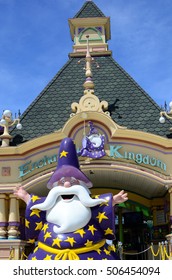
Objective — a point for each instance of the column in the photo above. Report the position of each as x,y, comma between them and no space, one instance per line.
14,218
3,216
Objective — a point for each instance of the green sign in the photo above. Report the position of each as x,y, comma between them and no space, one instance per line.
31,166
116,152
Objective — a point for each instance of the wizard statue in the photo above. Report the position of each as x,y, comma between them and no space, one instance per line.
69,224
92,144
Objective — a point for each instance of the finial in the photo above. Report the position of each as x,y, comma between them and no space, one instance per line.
88,85
89,102
88,50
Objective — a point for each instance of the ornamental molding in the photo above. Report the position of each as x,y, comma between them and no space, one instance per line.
89,103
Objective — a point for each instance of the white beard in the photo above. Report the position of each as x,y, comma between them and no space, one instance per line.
68,215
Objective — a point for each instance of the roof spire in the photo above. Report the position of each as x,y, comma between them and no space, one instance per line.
88,85
89,102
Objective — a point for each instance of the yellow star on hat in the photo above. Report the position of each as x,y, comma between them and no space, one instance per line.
63,154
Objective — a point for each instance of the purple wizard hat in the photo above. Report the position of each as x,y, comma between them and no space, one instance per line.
93,130
68,164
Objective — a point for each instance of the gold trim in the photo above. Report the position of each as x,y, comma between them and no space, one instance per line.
70,254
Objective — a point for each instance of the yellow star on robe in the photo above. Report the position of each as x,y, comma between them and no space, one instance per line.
106,252
34,259
108,231
98,251
36,249
47,235
38,226
63,154
57,241
92,229
35,198
27,223
81,232
112,248
35,212
45,227
31,241
48,257
71,240
96,196
88,243
105,203
101,216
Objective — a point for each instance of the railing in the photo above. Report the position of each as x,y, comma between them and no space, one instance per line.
22,255
162,252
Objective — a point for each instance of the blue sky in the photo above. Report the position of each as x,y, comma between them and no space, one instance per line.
35,42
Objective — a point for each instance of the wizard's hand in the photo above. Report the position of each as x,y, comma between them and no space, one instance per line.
120,197
22,194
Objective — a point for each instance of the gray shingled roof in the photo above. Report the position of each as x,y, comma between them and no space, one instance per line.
133,107
129,104
89,9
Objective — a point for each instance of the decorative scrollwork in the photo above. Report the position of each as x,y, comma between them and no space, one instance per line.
89,102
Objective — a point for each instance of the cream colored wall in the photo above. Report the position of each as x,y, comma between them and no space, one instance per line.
131,141
34,150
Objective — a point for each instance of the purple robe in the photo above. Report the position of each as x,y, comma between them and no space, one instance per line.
87,243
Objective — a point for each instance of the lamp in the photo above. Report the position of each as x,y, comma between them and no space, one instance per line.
165,114
6,122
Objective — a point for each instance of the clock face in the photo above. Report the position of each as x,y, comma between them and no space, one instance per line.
96,140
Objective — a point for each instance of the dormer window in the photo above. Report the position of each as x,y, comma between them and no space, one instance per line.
94,35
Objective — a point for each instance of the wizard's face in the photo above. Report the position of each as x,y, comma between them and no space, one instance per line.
68,205
67,182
